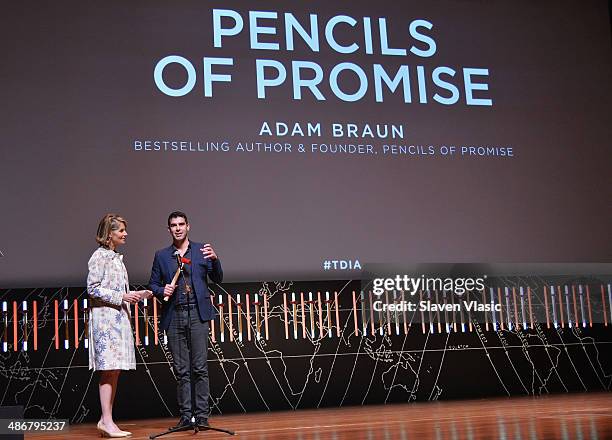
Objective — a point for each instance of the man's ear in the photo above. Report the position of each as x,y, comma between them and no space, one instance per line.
188,227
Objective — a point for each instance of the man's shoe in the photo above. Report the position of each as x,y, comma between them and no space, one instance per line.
201,422
182,423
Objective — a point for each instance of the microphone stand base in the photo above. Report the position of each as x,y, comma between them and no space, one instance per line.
195,429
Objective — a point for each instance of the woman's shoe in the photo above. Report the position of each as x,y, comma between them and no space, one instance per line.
105,433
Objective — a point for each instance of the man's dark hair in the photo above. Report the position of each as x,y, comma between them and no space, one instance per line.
176,214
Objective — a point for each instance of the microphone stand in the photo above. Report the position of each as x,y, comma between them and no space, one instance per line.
192,426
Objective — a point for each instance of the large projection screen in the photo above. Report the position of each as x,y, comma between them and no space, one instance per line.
298,132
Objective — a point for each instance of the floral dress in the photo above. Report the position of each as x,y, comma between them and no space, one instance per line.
112,342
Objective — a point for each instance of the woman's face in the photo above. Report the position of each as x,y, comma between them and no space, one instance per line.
118,236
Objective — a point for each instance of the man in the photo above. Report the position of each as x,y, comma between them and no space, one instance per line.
187,313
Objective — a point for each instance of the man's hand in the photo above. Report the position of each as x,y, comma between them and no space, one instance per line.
169,290
208,252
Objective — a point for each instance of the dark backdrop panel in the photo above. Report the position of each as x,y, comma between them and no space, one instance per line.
334,368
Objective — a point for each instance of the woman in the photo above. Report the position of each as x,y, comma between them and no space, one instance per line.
112,344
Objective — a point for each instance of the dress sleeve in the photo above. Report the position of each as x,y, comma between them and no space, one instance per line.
94,280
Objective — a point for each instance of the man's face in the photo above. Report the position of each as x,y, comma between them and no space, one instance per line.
178,228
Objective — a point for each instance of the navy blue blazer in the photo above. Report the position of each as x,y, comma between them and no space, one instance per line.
163,270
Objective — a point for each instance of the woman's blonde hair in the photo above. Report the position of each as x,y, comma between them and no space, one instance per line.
110,222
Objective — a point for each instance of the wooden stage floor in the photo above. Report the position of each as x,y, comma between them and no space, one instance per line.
570,416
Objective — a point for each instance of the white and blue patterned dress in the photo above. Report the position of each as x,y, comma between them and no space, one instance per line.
110,331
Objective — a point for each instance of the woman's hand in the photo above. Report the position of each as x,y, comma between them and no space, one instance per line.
142,294
132,296
145,294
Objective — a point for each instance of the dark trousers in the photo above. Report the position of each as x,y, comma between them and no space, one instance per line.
178,334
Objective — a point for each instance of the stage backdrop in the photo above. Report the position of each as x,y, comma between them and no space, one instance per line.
295,133
297,345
